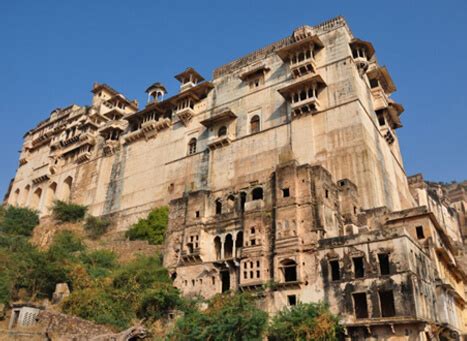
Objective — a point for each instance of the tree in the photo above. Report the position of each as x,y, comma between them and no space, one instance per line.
151,228
228,317
18,220
310,321
68,212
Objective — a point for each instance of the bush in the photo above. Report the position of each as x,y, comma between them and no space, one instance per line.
158,303
228,317
65,247
99,263
96,227
18,220
311,321
152,228
67,212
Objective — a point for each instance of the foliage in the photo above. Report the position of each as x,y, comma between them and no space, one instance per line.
151,228
96,227
158,303
311,321
228,317
64,212
18,220
99,263
65,247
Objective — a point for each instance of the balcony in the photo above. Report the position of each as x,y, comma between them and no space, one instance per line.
302,67
83,157
70,141
185,114
219,141
380,98
133,136
306,106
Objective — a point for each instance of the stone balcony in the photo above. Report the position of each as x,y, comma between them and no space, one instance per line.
308,105
380,98
185,114
134,136
86,156
219,141
302,68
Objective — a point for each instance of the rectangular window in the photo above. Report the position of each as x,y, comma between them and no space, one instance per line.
358,267
386,301
253,242
335,270
245,274
380,116
292,299
360,305
383,259
420,233
374,83
285,192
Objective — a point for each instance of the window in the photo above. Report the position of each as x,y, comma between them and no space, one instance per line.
326,194
218,206
335,270
420,233
253,242
360,305
192,146
257,193
285,192
383,263
358,267
292,299
386,301
289,268
252,230
197,214
222,131
380,116
374,83
254,124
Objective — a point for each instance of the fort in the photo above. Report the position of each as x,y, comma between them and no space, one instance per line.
282,172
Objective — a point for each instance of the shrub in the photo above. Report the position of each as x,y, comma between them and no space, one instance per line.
96,227
228,317
311,321
157,303
152,228
99,263
18,220
65,247
67,212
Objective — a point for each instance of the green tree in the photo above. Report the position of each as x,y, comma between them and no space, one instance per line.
310,321
151,228
18,220
96,227
228,317
64,212
99,263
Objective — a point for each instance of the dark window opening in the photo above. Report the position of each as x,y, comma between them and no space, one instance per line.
374,83
420,233
173,276
254,124
386,300
326,192
285,192
257,274
238,244
358,267
257,193
228,246
192,147
292,299
383,263
290,271
190,248
218,207
380,116
225,278
360,305
222,131
242,201
335,270
253,242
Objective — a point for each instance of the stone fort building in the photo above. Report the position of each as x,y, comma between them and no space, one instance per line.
283,173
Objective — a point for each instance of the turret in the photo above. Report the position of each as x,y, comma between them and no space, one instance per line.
156,93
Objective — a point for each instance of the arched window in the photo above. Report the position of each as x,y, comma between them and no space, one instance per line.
222,131
15,198
36,199
242,201
66,190
24,200
217,247
192,146
238,244
50,195
228,246
257,193
254,124
218,206
289,270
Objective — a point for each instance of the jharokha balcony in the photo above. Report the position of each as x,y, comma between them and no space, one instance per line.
303,95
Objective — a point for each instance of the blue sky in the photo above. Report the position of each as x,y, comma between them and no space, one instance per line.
52,51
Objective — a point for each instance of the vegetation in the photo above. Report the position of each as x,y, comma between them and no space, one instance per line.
64,212
18,220
311,321
96,227
151,228
232,317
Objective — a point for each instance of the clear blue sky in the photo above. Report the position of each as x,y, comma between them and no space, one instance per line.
52,51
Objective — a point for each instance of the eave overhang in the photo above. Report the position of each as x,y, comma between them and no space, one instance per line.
382,75
301,83
222,116
284,52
